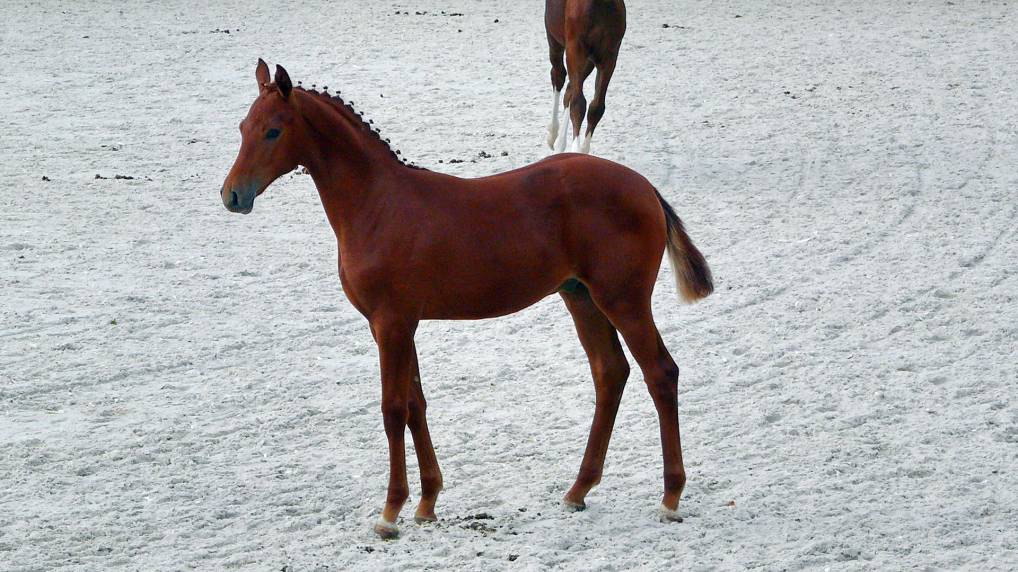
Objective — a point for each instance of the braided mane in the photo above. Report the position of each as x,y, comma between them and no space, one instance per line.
347,110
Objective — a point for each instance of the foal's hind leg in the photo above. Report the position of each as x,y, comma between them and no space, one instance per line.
633,318
556,52
596,110
610,370
431,475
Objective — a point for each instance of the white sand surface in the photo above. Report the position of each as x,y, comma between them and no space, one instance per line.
186,389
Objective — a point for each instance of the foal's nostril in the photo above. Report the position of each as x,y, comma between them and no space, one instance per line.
239,199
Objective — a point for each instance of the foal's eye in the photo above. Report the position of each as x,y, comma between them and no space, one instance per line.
272,134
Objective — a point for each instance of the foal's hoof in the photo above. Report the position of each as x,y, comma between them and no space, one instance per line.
573,506
386,530
423,518
668,515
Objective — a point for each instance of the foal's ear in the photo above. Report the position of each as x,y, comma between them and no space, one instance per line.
283,81
262,74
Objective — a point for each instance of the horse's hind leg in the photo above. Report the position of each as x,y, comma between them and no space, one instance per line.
431,474
632,316
610,370
596,110
556,53
571,88
579,67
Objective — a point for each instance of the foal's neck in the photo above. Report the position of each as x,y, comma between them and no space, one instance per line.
347,158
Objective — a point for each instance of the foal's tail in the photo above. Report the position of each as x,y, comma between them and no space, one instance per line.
692,274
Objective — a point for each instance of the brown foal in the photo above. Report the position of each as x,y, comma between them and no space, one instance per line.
589,33
417,245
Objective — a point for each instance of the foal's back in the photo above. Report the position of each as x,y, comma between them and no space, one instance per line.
522,233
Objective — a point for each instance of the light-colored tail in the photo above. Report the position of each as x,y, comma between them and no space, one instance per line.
692,275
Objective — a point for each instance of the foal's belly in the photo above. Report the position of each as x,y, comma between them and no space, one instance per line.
504,258
478,297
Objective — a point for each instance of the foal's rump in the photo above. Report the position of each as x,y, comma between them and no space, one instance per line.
583,216
615,229
615,226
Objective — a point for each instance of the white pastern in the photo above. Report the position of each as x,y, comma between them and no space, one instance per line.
560,146
585,146
386,529
572,506
553,126
668,515
575,146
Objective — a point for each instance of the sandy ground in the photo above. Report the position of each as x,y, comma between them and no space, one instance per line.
182,388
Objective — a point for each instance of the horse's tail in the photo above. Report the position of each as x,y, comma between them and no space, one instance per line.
692,275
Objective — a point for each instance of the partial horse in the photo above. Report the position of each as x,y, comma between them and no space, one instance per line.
417,245
588,33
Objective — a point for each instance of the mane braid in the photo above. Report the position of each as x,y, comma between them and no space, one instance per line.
353,115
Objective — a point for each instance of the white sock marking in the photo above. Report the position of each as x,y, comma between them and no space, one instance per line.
386,526
553,126
585,147
560,146
668,515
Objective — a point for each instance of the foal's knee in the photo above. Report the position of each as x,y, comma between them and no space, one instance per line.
418,407
613,370
610,373
620,370
394,417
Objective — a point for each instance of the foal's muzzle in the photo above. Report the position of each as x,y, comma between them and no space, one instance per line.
239,199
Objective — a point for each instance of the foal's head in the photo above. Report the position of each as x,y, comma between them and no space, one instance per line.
272,134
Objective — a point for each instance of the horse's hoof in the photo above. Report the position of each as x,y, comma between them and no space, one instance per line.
424,518
386,530
668,515
573,506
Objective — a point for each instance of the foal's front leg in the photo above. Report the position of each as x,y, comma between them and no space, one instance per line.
431,475
395,339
